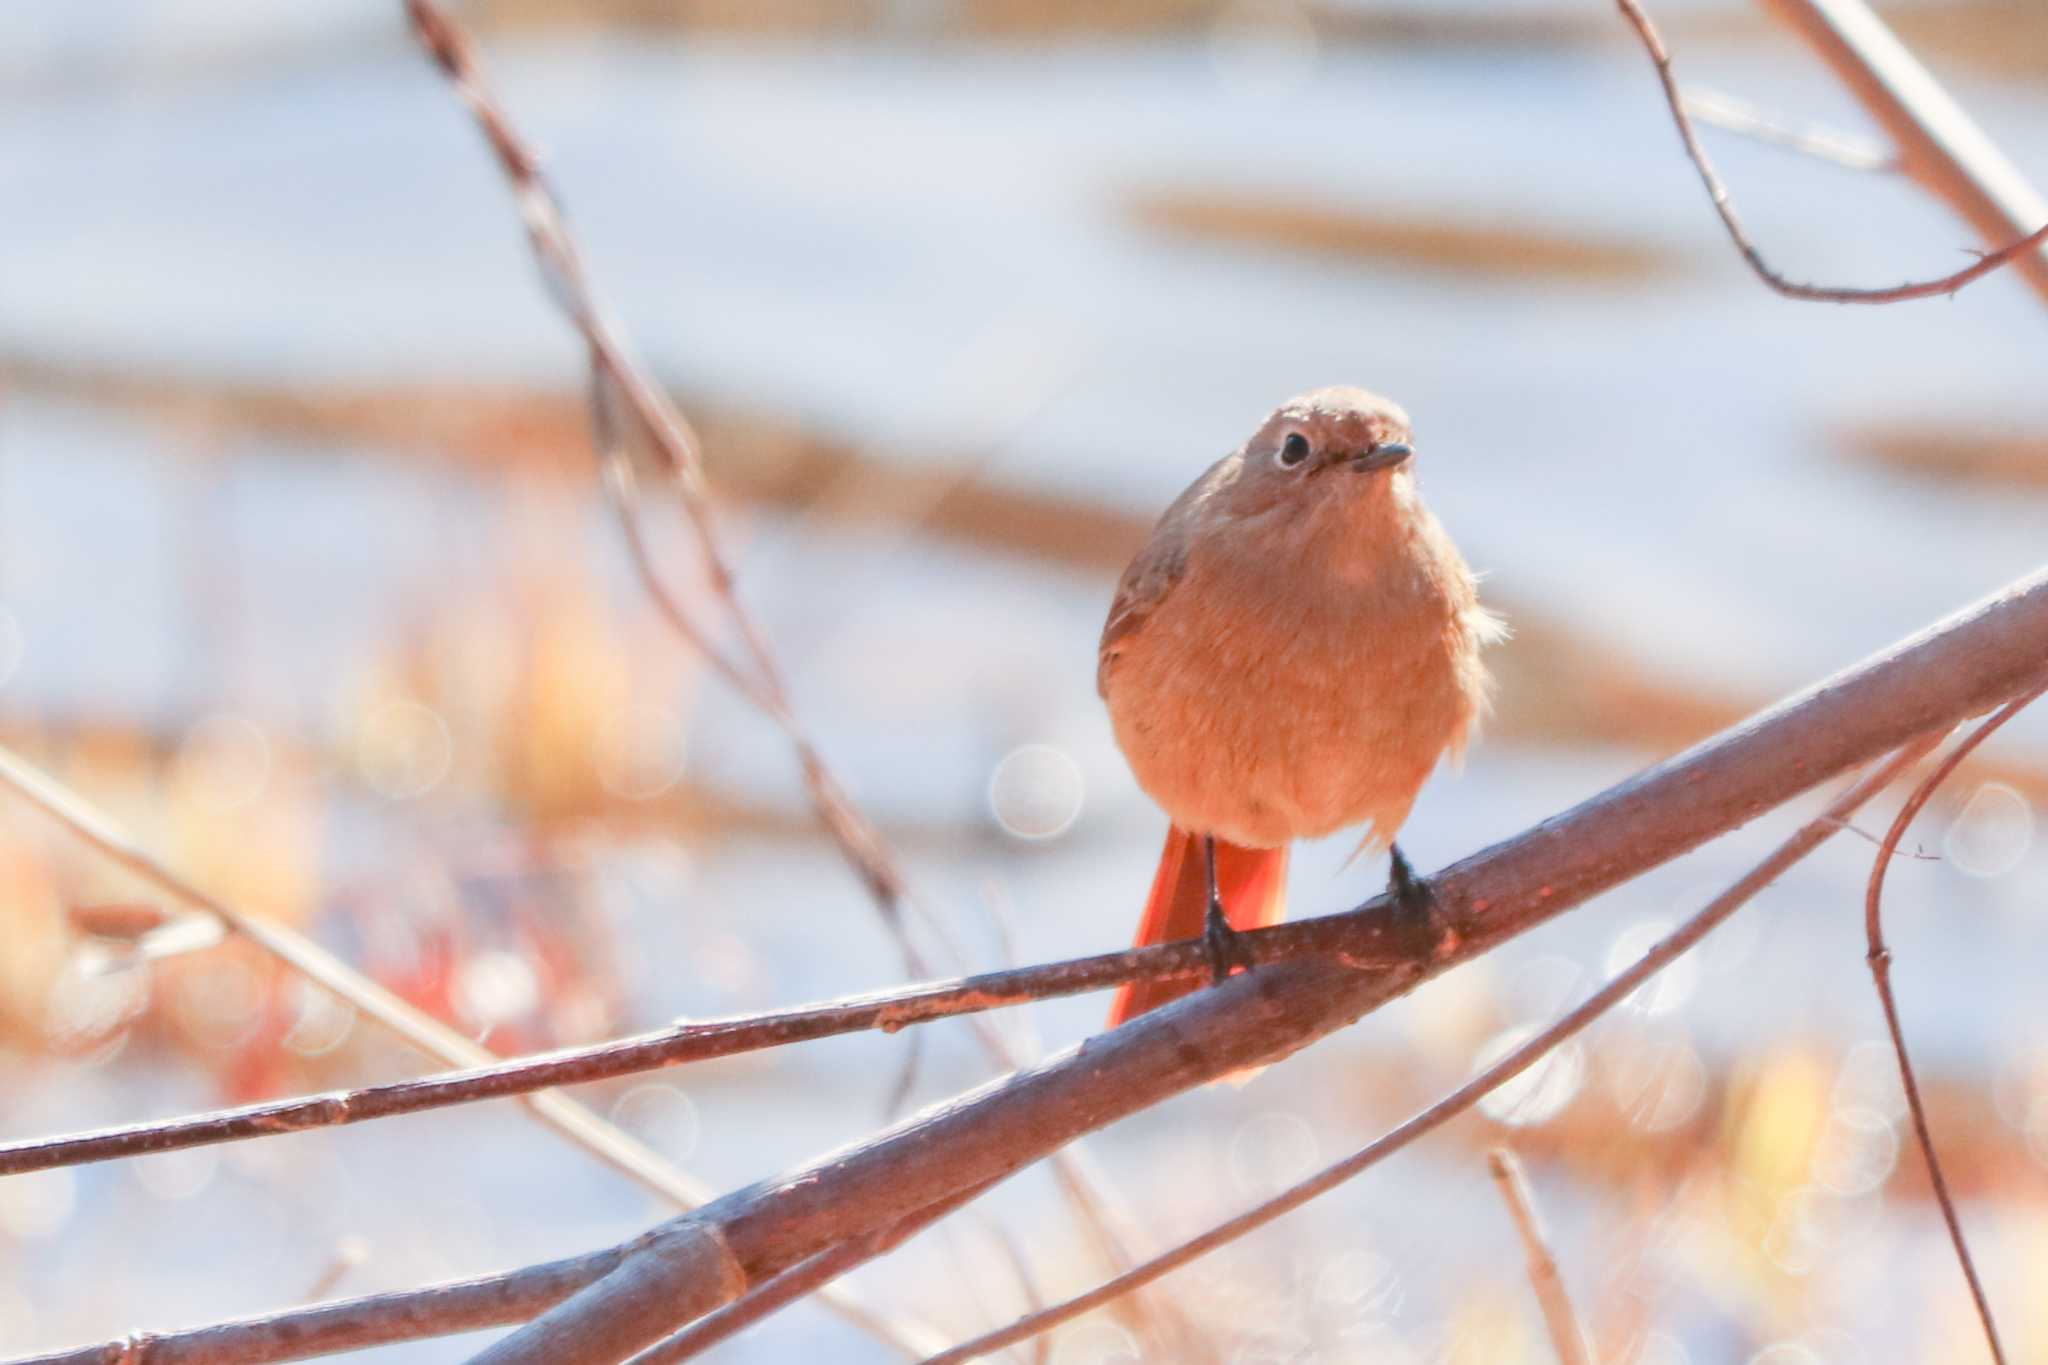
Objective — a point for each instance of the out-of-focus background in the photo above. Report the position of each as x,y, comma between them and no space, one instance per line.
304,576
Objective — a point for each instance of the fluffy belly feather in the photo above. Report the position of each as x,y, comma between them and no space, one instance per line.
1299,720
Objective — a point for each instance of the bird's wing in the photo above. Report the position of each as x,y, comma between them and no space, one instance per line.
1154,571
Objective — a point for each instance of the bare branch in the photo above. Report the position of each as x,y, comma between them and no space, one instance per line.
1940,146
673,1046
1680,940
613,1146
351,1324
1567,1335
1964,666
1879,957
1822,144
1725,206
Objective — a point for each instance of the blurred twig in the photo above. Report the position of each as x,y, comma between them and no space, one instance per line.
618,382
1822,144
349,1254
1567,1336
1620,987
1879,957
1724,206
1940,147
616,1148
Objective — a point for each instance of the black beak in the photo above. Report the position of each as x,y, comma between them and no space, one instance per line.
1385,455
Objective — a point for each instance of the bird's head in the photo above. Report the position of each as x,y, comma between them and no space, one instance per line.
1339,446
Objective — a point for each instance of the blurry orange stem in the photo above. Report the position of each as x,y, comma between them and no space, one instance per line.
1567,1335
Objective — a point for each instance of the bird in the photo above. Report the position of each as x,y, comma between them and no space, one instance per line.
1290,654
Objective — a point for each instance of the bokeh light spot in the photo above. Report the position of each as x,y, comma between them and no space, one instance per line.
403,750
1669,988
1658,1084
1869,1080
1856,1152
1538,1094
1363,1281
641,753
322,1024
86,1003
661,1116
176,1175
1992,832
37,1205
494,987
1036,791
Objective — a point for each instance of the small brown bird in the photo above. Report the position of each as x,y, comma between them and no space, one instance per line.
1289,655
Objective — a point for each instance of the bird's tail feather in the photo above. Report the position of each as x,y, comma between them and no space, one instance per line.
1251,881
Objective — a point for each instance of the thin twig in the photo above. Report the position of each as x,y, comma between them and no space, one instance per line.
1822,144
613,1146
1725,206
1465,1096
1940,147
1567,1335
1879,956
678,1044
1918,855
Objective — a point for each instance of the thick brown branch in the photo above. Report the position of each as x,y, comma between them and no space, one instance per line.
1520,1059
1968,664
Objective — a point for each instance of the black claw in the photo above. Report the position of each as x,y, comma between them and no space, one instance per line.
1223,944
1410,892
1219,940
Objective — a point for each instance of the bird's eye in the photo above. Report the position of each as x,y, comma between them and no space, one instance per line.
1292,451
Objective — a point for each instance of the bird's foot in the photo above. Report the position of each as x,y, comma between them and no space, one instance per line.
1412,895
1224,946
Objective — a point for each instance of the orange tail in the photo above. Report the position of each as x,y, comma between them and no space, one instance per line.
1251,881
